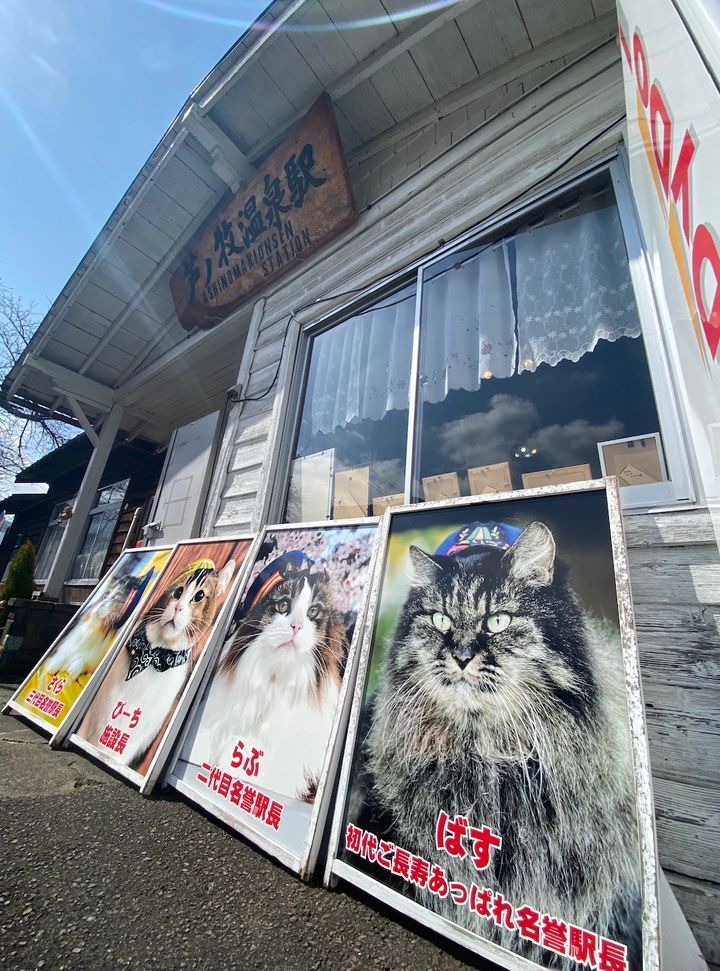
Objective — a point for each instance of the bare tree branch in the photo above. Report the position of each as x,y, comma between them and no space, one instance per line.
26,432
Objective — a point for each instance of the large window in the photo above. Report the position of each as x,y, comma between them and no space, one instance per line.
513,362
351,447
102,520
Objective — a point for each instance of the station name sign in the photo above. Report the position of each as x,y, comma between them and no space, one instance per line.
300,198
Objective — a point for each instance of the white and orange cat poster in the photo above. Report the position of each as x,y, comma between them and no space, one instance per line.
495,784
51,695
260,748
137,709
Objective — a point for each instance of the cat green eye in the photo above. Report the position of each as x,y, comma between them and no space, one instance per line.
314,612
497,623
441,622
282,606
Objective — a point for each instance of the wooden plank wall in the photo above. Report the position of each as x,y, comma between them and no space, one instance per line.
675,577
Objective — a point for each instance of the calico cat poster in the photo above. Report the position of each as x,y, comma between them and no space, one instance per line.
130,723
259,747
50,692
495,789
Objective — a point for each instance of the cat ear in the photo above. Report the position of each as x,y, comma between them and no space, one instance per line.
225,575
531,558
423,568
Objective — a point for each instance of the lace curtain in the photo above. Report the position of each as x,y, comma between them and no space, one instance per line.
573,289
468,325
361,368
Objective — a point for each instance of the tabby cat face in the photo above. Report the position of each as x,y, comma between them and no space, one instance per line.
295,614
187,608
489,635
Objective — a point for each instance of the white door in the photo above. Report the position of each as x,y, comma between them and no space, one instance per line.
181,494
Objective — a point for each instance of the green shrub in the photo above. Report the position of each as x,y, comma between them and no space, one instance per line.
20,579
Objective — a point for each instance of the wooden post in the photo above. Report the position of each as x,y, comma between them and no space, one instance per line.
75,528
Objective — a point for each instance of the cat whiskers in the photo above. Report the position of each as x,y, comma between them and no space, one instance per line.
405,700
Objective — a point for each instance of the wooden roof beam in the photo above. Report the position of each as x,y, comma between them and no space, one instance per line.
228,162
379,58
68,382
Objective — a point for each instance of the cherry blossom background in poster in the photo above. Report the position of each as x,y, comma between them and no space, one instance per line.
259,746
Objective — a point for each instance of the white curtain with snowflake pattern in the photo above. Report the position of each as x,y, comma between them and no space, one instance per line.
546,295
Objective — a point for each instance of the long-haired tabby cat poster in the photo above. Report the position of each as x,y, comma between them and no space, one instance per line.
494,788
127,724
49,694
259,748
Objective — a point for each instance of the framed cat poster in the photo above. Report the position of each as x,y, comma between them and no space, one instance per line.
495,783
260,749
138,707
53,694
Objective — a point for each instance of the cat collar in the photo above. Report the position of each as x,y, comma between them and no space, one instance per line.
476,537
143,655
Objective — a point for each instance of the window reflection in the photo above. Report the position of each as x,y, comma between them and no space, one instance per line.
349,460
532,366
531,355
102,519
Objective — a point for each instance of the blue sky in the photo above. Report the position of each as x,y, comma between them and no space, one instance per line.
87,88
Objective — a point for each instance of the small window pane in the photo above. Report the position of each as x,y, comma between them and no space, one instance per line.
89,561
112,493
349,459
51,541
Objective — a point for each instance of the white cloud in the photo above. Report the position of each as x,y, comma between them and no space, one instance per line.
564,444
488,436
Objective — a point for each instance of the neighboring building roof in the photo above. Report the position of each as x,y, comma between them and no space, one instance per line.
75,454
20,501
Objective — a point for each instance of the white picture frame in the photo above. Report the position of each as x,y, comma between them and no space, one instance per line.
297,854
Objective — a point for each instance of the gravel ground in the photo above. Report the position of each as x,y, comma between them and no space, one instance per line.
94,876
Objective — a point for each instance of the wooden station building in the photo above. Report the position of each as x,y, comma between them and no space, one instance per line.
383,255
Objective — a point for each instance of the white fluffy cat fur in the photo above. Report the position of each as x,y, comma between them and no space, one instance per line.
88,640
277,688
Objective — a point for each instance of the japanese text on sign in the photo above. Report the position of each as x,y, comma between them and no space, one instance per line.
251,801
299,198
115,738
555,935
44,703
232,239
249,764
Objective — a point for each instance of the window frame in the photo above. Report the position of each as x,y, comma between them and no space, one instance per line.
44,542
676,492
98,509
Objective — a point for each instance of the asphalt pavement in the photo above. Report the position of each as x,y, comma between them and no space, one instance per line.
92,875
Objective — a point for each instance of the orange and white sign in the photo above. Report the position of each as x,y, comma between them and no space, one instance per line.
673,107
